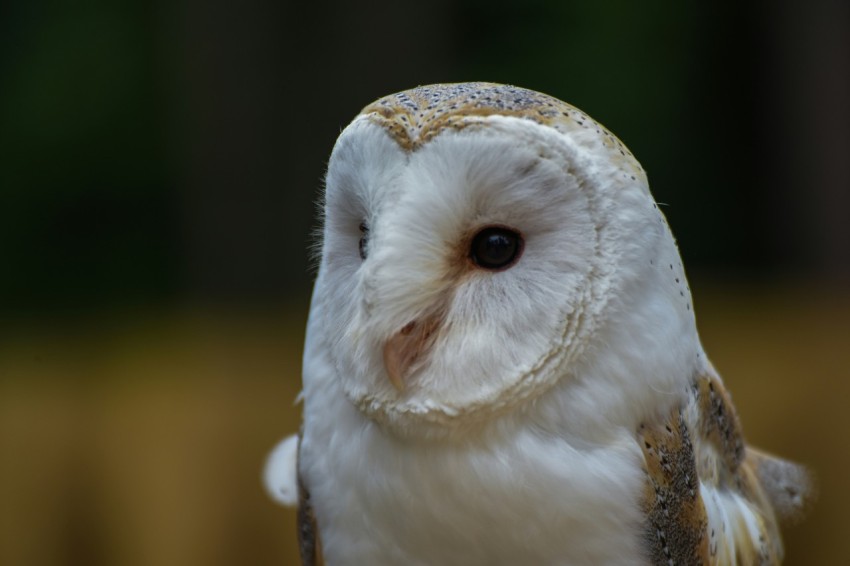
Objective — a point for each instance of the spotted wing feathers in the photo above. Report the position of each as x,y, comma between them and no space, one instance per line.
676,520
709,499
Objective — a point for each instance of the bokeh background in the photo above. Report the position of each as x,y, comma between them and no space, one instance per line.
159,163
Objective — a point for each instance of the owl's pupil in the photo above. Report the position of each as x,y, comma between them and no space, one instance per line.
364,231
495,247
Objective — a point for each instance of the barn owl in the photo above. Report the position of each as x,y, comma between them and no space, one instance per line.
502,364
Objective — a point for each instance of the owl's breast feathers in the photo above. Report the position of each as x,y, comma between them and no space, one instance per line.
709,499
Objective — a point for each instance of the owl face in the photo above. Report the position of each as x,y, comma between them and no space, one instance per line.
471,248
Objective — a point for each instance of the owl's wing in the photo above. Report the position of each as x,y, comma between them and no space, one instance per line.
708,498
308,533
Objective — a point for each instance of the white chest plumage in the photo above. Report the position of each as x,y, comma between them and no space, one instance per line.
502,364
520,496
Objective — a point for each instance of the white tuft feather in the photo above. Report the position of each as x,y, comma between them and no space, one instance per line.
280,475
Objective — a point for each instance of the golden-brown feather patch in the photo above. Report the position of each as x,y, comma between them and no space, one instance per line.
675,530
719,423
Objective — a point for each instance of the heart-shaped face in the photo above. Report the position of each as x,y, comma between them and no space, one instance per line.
473,236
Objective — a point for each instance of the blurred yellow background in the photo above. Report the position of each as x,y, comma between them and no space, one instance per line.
159,163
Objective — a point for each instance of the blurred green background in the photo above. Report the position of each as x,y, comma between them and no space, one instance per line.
159,163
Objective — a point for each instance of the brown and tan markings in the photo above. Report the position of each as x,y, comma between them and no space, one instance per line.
719,426
702,442
734,470
675,531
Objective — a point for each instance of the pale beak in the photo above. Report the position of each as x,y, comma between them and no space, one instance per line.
407,346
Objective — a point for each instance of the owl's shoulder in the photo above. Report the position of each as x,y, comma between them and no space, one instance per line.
708,498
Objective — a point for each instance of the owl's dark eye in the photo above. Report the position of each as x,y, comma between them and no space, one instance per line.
495,247
364,239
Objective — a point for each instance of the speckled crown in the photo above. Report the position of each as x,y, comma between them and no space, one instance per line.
413,117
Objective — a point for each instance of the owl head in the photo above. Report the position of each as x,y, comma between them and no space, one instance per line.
483,245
